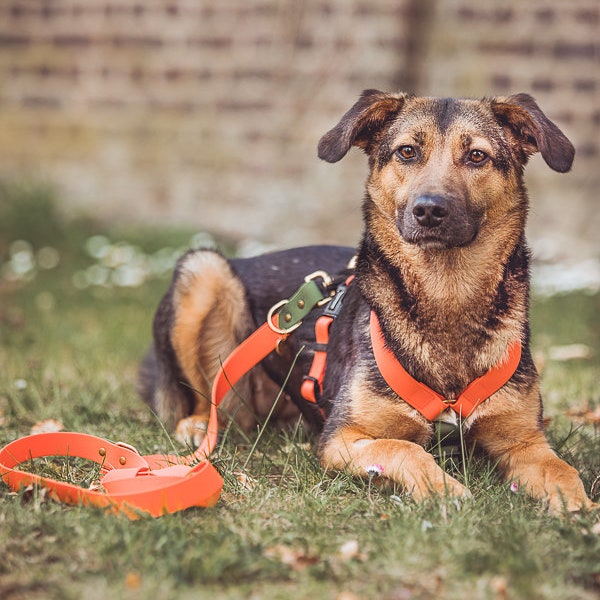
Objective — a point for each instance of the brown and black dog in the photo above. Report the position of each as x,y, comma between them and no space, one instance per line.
444,265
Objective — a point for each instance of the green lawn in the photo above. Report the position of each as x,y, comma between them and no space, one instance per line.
69,350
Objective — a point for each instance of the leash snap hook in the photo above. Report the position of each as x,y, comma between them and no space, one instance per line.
327,282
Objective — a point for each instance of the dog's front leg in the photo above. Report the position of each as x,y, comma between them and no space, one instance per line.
402,461
525,457
544,475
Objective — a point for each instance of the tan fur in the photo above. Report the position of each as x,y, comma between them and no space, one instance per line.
207,321
407,463
505,426
210,321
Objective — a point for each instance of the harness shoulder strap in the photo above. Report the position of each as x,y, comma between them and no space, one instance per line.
312,385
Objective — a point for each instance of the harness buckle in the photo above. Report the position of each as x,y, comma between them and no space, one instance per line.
292,311
449,402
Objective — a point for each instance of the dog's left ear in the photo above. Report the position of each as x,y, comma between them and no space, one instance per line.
534,131
359,126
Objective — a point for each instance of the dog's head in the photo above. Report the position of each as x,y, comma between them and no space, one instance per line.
445,171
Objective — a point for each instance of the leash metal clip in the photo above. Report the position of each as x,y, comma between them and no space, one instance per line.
327,281
291,311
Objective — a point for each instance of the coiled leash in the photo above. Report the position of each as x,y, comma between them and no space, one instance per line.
159,484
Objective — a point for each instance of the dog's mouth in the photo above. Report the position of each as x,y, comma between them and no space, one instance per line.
440,241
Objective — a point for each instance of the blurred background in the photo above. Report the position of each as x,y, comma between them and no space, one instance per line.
207,113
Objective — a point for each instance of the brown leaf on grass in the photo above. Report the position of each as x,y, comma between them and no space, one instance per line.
294,559
47,426
247,482
133,581
33,493
585,414
500,586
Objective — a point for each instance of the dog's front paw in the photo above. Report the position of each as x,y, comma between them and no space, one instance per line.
191,431
442,485
558,504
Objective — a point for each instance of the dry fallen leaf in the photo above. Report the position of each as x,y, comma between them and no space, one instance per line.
350,550
133,581
585,414
32,493
47,426
500,586
247,482
294,559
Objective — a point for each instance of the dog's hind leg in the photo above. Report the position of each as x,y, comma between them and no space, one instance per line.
210,317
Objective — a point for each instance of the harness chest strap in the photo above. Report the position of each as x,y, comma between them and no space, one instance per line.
428,402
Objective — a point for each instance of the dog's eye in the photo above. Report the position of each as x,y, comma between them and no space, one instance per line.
406,152
477,157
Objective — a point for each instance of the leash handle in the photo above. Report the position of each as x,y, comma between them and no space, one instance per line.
133,484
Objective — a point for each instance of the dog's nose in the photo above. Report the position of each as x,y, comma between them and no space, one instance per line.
430,211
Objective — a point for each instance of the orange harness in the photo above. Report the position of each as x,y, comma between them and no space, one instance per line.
421,397
160,484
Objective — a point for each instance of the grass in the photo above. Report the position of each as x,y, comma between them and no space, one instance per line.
69,351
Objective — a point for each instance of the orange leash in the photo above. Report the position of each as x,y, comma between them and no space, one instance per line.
131,483
159,484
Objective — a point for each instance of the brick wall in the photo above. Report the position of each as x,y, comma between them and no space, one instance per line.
209,111
551,49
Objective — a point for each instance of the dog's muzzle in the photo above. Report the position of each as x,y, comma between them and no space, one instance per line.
435,221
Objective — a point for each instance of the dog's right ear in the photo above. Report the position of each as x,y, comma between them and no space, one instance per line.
360,124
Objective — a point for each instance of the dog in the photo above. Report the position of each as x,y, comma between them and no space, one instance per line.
443,269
